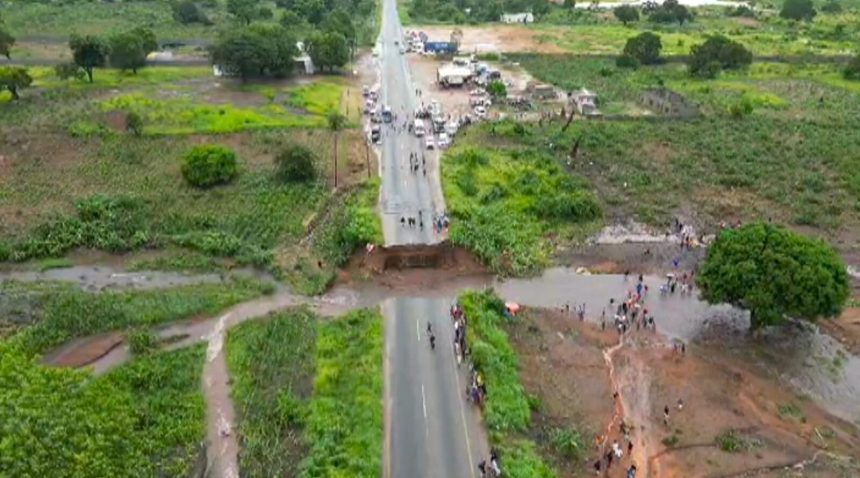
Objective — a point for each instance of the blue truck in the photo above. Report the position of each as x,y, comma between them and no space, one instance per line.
440,47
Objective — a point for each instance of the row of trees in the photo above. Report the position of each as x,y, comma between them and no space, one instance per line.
208,165
126,51
706,60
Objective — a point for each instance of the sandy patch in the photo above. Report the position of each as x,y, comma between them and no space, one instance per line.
495,39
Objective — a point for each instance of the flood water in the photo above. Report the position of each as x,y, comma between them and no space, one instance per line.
812,363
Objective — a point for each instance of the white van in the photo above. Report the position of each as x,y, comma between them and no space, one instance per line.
418,127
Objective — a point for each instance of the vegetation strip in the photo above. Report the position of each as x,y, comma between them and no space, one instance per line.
51,313
309,394
507,409
272,365
143,419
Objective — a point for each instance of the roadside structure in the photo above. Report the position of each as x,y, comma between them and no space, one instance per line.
668,103
585,102
524,17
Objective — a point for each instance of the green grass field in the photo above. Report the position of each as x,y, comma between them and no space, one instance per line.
309,394
142,419
272,365
793,158
42,315
504,200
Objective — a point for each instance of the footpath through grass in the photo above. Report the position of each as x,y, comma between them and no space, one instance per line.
309,395
143,419
505,201
507,410
39,316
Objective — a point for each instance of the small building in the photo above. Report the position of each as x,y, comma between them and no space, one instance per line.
541,91
303,60
525,17
668,103
585,102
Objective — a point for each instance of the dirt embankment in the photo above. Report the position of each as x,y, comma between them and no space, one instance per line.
722,404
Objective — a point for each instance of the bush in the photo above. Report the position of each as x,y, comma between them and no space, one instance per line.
798,10
296,163
852,71
141,341
744,107
717,53
187,12
627,61
568,443
832,6
645,47
134,124
209,165
66,71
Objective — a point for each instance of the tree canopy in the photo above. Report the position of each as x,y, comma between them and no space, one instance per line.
626,14
716,54
246,10
89,52
14,79
798,10
669,12
128,50
852,70
187,12
645,47
255,51
774,273
327,50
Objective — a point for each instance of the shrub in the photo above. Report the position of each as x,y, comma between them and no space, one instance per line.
627,61
645,47
141,341
833,6
568,443
66,71
798,10
744,107
209,165
296,163
134,124
187,12
852,70
717,53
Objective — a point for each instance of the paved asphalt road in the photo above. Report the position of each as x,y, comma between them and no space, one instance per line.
431,430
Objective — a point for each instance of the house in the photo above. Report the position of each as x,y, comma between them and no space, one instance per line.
540,91
525,17
585,102
668,103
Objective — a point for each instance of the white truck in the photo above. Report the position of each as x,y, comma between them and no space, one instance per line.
418,127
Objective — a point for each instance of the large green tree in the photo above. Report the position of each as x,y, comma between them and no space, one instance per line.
626,14
774,273
798,10
645,47
89,52
14,79
128,50
339,21
717,53
244,10
327,50
256,51
669,12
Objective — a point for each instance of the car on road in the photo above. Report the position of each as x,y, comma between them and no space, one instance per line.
402,50
452,127
429,143
444,140
481,111
418,127
375,134
386,114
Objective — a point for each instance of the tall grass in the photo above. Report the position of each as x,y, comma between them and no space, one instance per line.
48,315
144,419
344,423
503,201
272,367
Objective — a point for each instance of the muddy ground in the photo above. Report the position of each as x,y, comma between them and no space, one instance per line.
493,39
562,362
